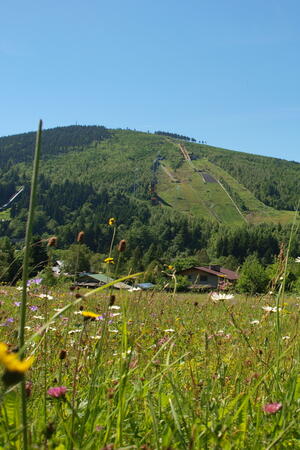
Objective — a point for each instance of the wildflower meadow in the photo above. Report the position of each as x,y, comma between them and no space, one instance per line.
107,369
150,370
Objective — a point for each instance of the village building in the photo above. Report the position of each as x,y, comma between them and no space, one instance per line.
94,280
209,277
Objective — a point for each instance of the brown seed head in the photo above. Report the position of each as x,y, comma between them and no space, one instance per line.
122,246
62,354
112,299
110,392
52,241
49,430
28,388
80,236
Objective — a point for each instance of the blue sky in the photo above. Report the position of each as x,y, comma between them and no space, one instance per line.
226,72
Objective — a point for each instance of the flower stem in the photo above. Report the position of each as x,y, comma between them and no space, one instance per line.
25,274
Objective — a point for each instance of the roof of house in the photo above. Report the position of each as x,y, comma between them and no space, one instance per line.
102,278
230,274
121,285
222,272
146,285
97,276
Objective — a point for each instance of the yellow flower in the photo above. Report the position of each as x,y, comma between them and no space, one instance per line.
14,367
111,221
11,361
89,315
170,267
109,260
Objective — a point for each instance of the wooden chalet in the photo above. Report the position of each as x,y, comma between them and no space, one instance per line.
209,277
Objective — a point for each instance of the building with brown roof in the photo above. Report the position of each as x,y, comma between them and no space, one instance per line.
209,277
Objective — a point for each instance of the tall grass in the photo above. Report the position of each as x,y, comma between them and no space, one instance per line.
202,385
25,273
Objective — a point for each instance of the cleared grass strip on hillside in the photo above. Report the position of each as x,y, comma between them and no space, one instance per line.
233,202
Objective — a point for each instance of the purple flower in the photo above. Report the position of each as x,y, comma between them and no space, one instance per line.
57,392
272,408
34,281
17,303
8,321
33,308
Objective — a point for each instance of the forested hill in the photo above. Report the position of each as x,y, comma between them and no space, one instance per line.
19,148
170,194
275,182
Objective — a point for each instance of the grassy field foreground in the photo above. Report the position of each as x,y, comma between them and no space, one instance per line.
154,371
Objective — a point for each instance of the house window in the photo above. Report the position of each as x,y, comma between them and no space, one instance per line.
203,277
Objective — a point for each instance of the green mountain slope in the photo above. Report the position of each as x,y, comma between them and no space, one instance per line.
225,200
217,185
171,198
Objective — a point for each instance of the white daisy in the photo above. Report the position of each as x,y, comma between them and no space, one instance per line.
216,296
48,297
270,308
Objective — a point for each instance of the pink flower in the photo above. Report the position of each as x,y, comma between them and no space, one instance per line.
57,392
272,408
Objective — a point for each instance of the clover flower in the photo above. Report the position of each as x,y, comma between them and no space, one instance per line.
57,392
13,366
272,408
